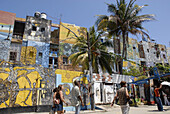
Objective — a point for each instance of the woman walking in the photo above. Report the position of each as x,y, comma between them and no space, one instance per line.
58,100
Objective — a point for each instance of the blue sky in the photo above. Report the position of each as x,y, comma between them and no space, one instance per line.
83,13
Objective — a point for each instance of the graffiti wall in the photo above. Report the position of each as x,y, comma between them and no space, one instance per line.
37,29
66,49
163,54
132,50
6,29
4,49
34,52
65,78
25,86
66,36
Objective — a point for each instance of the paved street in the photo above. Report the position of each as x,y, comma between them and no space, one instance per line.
116,110
136,110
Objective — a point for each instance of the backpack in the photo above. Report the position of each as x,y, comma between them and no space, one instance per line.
57,101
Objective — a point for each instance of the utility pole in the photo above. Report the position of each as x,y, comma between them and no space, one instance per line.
92,101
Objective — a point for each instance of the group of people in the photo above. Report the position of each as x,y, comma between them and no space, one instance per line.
58,99
76,99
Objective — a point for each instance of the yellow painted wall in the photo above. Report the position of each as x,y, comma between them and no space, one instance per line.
24,80
26,56
65,33
27,79
67,76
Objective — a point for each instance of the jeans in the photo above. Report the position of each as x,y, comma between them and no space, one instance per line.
125,109
159,103
77,109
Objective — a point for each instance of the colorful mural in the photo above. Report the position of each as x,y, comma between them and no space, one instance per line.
4,49
34,52
25,86
65,78
132,50
30,86
66,49
68,37
6,29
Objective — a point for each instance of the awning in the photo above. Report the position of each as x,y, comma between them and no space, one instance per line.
143,81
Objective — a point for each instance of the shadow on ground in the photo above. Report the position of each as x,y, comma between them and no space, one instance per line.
158,110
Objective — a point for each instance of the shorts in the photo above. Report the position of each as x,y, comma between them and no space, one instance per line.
58,107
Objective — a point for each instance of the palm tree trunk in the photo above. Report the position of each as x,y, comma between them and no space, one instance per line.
123,53
92,101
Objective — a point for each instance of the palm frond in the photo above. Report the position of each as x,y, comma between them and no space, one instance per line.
100,18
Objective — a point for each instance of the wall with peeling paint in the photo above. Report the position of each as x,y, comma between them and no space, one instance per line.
37,29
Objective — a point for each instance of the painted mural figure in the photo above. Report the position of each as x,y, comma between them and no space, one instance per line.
58,100
123,96
157,97
76,97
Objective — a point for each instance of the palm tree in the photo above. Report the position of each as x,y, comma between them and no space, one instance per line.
99,53
124,19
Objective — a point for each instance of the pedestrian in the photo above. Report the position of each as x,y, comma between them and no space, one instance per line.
58,100
76,97
53,106
157,98
123,96
167,103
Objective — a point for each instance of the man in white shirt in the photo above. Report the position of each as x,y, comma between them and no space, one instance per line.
76,97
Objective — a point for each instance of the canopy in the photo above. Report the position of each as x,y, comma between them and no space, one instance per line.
147,79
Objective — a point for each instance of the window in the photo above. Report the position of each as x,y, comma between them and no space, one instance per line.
102,40
13,56
157,54
55,65
65,60
40,55
42,29
164,56
134,47
141,51
55,62
52,49
31,53
50,60
148,50
34,28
